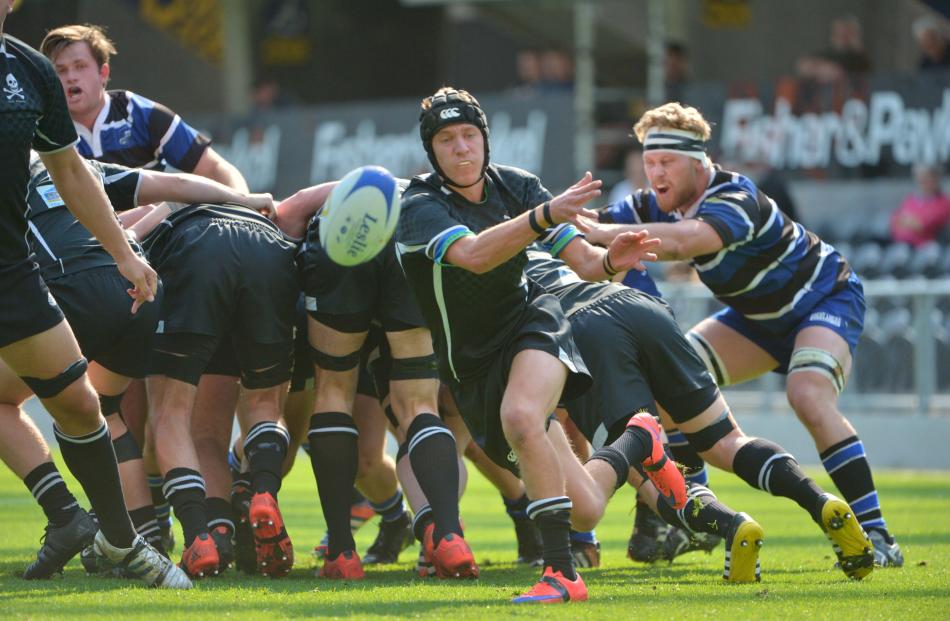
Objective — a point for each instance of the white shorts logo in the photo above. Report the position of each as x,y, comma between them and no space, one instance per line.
450,113
824,317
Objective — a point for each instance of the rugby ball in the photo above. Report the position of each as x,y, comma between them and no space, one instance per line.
359,216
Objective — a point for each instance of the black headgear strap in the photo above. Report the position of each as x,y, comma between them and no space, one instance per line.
449,108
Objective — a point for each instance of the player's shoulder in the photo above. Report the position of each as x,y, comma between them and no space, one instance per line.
424,189
29,57
513,178
733,189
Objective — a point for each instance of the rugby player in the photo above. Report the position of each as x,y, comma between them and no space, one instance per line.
36,343
794,305
504,346
342,304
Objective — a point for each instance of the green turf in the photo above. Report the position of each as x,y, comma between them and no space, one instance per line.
798,581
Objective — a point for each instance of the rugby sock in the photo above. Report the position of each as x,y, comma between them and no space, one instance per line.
145,524
421,521
517,509
684,453
767,466
185,488
265,447
220,513
333,454
50,491
586,536
162,508
629,450
91,459
356,497
431,448
847,464
553,518
234,463
391,509
702,513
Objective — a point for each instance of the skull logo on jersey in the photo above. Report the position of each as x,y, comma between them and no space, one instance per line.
13,90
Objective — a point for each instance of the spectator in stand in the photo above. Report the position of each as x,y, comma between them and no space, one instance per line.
675,71
931,36
633,176
845,56
557,71
922,215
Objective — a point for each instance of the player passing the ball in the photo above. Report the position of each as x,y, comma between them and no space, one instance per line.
504,346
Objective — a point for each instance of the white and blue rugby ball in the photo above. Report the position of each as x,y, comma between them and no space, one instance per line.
360,215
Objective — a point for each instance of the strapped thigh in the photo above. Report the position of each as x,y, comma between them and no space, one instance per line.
48,388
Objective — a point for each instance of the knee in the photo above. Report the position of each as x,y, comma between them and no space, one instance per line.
810,397
723,453
367,465
521,425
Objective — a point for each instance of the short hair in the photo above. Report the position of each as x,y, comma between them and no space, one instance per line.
672,115
462,94
58,39
925,24
677,48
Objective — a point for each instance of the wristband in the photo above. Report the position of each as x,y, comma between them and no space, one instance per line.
546,212
533,222
608,268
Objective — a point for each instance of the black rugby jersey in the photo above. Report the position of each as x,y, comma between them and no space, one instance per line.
471,316
33,114
60,243
558,279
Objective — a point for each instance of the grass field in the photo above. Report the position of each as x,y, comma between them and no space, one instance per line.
798,581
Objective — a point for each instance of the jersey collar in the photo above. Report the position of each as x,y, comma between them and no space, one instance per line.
94,137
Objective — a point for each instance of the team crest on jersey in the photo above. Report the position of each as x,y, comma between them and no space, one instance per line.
512,457
12,89
50,196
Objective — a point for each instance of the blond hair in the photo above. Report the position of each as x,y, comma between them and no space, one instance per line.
672,115
95,37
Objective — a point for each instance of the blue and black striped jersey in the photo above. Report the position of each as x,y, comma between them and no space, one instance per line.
134,131
770,269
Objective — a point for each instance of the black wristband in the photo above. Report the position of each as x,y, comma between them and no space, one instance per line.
533,222
546,212
608,268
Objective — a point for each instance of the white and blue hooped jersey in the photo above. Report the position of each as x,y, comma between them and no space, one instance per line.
137,132
770,270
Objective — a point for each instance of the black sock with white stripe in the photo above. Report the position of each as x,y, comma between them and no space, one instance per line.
163,510
145,524
431,448
220,513
553,518
765,465
185,489
333,454
702,513
265,447
91,459
847,465
391,509
50,491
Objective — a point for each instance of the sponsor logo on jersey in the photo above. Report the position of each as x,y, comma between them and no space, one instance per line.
450,113
826,318
50,196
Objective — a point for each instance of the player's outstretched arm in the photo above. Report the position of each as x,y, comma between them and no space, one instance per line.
627,251
294,213
213,166
86,199
678,240
492,247
189,188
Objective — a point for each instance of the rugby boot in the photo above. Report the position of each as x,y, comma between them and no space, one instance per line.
851,544
60,544
662,470
554,588
743,542
393,537
648,537
360,513
451,558
885,554
586,553
424,567
201,558
245,556
530,549
346,566
275,552
223,541
144,563
679,542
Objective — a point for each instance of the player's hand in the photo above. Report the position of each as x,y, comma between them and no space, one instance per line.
629,249
262,203
143,278
593,230
570,203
